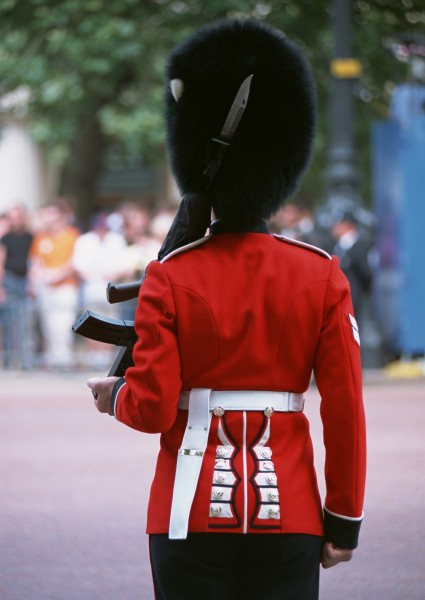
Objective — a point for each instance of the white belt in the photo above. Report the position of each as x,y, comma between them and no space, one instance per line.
201,403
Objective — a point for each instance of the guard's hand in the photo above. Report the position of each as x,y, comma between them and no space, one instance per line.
332,555
101,388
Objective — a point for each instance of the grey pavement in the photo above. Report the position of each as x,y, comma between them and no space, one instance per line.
74,489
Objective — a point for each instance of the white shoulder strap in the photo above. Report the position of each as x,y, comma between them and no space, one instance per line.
185,248
282,238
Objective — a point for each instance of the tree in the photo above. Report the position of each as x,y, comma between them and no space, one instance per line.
95,69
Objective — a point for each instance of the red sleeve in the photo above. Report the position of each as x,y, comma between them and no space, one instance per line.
338,376
147,400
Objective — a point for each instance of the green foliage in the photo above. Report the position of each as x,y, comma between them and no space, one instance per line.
106,58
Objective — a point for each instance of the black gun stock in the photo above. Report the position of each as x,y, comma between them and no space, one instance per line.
120,292
111,331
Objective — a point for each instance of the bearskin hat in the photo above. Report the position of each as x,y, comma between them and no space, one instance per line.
272,143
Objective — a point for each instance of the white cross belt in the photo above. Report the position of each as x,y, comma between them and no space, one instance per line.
201,403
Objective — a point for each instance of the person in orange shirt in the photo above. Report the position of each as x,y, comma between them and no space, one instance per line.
54,283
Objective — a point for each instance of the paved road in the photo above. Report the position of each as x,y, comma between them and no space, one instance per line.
74,487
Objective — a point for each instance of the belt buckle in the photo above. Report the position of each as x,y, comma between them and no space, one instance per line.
190,452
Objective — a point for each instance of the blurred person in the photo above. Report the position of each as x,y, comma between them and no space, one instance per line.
142,248
353,250
98,259
115,222
4,224
15,245
161,223
54,282
135,221
295,220
4,228
286,220
230,328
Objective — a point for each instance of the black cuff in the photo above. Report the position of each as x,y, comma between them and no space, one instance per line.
117,386
343,533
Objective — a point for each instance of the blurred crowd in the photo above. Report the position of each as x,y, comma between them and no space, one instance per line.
51,270
346,238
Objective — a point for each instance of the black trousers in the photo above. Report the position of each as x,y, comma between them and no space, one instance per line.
217,566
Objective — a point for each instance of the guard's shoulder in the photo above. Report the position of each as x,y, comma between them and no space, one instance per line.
185,248
303,245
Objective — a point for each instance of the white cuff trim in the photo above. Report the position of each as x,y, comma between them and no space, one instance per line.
344,516
116,398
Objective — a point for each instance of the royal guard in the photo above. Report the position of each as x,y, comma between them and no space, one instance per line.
232,323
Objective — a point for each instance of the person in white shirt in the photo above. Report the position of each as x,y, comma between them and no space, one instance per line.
98,259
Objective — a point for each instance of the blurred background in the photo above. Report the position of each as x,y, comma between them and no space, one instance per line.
82,152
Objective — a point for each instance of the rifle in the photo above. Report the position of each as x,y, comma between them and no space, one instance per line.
190,223
119,332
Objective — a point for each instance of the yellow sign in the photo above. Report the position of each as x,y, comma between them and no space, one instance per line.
346,68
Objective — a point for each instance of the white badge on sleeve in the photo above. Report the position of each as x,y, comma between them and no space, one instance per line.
354,328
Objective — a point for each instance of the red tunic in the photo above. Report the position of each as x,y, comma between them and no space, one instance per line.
250,312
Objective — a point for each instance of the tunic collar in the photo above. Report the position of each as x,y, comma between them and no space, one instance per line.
220,226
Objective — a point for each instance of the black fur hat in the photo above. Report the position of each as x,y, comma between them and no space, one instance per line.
272,144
